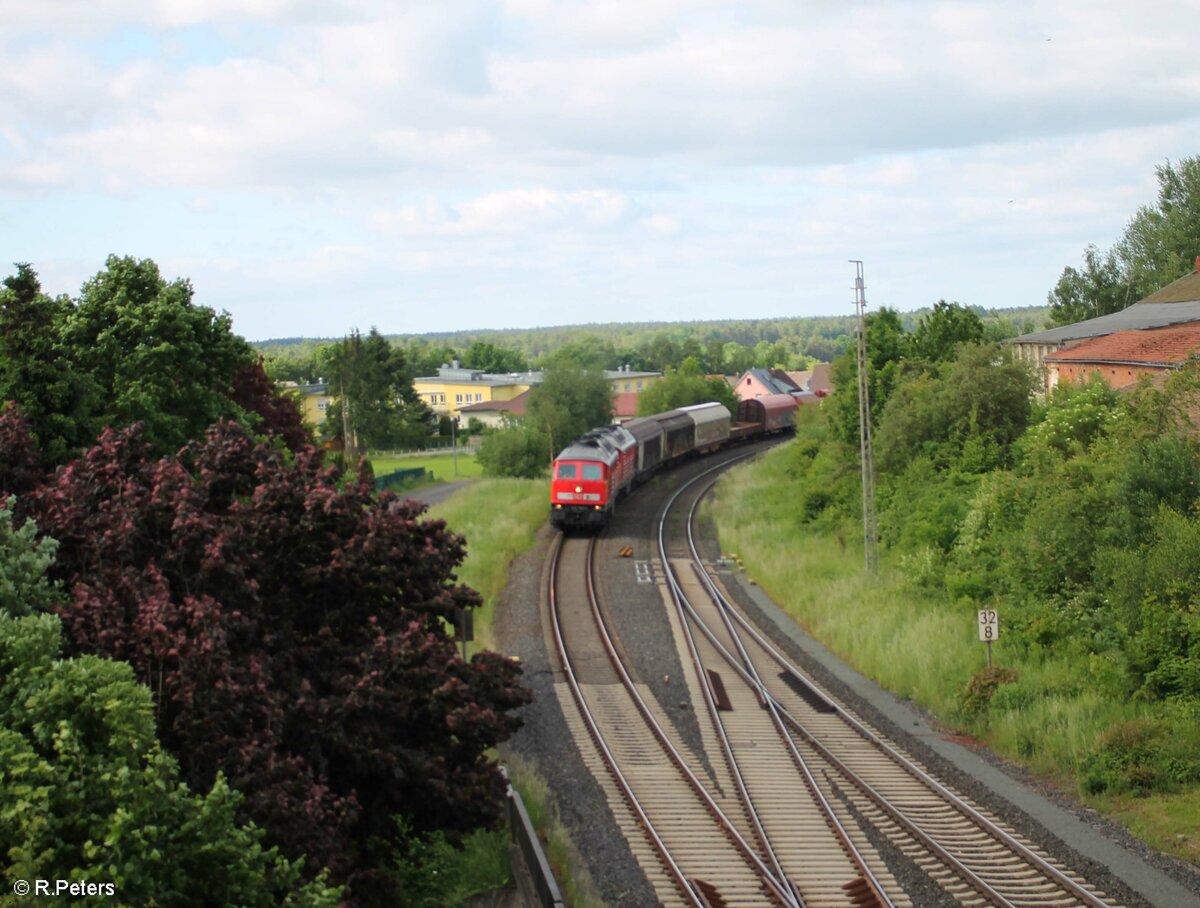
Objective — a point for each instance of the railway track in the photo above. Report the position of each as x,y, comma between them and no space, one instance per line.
860,777
633,582
788,794
704,858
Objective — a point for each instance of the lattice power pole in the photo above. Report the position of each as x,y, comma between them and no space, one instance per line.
870,533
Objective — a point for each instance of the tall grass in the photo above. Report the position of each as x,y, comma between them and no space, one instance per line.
920,647
500,519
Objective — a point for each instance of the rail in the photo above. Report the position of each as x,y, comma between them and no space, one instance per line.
743,666
877,895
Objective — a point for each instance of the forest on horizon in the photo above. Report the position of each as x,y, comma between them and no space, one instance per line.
821,338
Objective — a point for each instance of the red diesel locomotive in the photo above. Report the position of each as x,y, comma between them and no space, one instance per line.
592,472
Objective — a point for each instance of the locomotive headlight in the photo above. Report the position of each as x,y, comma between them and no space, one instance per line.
578,488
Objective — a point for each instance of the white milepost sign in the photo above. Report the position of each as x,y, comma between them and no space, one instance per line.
989,625
989,629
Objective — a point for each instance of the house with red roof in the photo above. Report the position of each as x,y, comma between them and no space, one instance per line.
1176,305
764,383
491,413
1124,356
806,387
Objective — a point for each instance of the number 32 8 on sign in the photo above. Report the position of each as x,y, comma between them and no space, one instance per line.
989,625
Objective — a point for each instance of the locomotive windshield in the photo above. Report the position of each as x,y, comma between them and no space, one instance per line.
592,471
566,471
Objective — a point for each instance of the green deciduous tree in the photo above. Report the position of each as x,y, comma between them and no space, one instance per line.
938,334
154,355
87,795
735,359
24,561
1099,288
589,353
967,414
133,348
568,402
38,371
1159,245
683,387
371,376
488,357
886,347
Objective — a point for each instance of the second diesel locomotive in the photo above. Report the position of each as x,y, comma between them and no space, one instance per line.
592,472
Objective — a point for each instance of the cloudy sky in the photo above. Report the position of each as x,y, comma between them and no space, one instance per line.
313,166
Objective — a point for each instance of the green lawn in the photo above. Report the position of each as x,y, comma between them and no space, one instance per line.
444,467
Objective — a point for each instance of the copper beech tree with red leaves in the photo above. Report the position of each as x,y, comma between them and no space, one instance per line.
292,627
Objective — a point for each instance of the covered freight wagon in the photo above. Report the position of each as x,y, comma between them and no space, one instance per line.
679,431
770,413
649,435
712,424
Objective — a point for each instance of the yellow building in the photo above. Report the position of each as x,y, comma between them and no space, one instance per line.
314,400
455,387
626,381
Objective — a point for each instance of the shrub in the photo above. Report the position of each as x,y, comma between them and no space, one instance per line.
86,794
521,453
923,507
977,695
1076,415
433,873
1153,591
1141,756
294,629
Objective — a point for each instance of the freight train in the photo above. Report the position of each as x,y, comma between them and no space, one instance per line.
593,471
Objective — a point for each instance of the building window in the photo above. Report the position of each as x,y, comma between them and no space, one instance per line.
458,398
478,396
639,386
628,387
433,398
322,404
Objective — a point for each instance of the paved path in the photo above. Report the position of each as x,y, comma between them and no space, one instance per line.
437,494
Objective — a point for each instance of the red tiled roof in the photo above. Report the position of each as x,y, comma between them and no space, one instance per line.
820,380
1165,346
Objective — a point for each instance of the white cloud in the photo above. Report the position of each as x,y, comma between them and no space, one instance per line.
660,224
665,149
508,212
91,17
